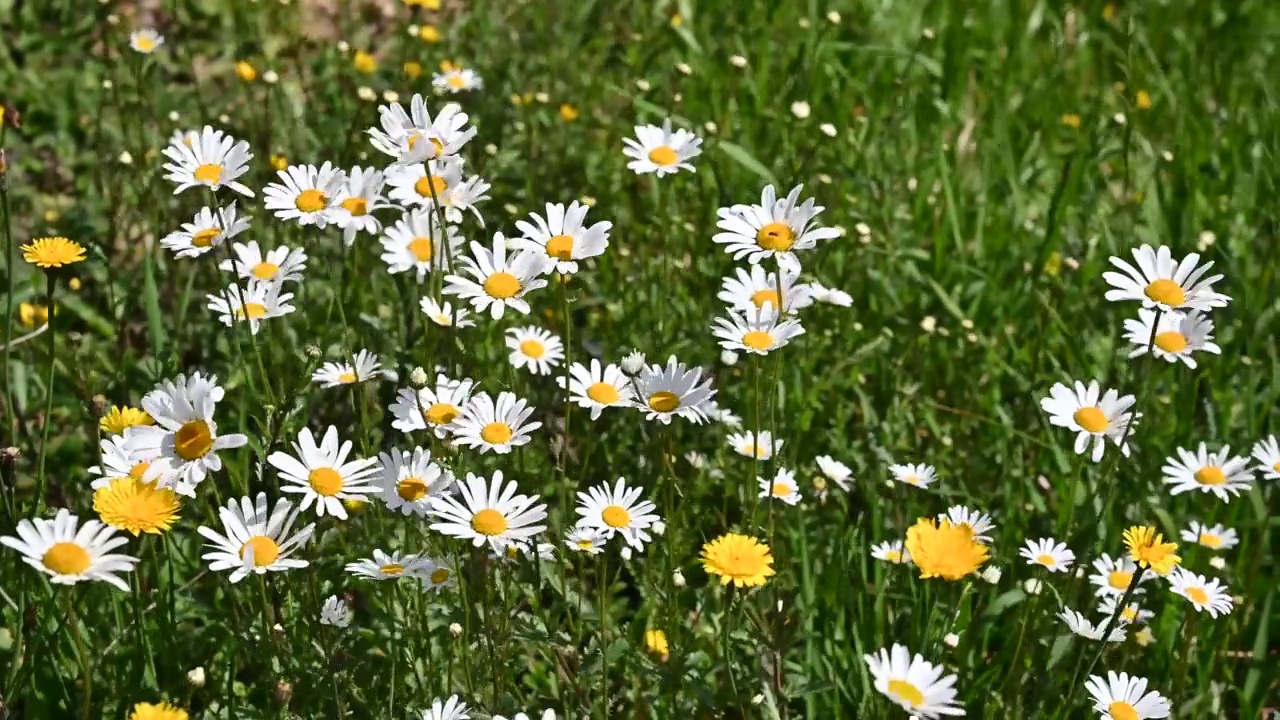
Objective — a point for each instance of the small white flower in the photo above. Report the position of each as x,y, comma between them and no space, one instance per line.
1082,627
495,426
322,474
1046,552
364,366
800,109
1160,282
917,475
445,315
534,348
661,150
1095,417
746,445
836,471
1176,336
336,612
782,487
894,551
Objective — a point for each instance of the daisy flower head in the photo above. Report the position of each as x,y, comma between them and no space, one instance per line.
184,439
358,196
534,348
1217,472
206,231
1267,453
424,185
118,419
495,426
773,229
306,193
835,471
136,506
415,136
145,41
336,612
830,296
1148,548
527,550
445,314
255,541
322,474
118,461
598,387
894,551
915,684
255,302
53,252
1205,595
1159,282
1214,537
1125,697
1049,554
497,282
758,331
160,711
920,476
673,391
363,366
456,79
70,552
417,242
1176,336
1094,416
661,150
384,566
1132,613
746,445
585,540
1081,626
943,550
409,482
782,487
212,159
279,265
617,511
1113,577
738,559
978,522
757,287
433,407
435,576
489,512
547,714
451,709
563,237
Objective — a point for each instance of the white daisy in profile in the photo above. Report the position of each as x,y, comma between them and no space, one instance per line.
384,566
212,159
546,715
915,684
409,482
1125,697
1177,336
1214,537
1205,595
585,540
1049,554
894,551
836,471
185,137
69,552
281,264
184,438
336,612
757,287
1159,282
673,391
1132,613
830,296
519,550
660,150
118,461
716,412
145,41
255,302
322,475
433,407
255,541
1081,626
445,314
451,709
978,522
435,576
1267,452
1217,472
756,331
782,487
358,196
1095,417
617,511
416,242
534,348
456,80
417,137
206,231
497,283
495,426
773,229
563,236
598,387
487,511
1113,577
746,445
920,476
306,193
424,185
363,366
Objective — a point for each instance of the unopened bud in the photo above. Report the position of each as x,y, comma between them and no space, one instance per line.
195,677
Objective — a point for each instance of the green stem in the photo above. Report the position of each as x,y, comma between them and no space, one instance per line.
9,272
604,632
48,404
1106,632
82,653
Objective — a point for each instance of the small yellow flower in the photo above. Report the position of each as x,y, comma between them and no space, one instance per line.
162,711
1071,120
279,162
33,315
364,62
74,283
119,418
413,70
677,20
1143,100
136,506
1148,548
246,72
424,4
947,551
447,65
568,113
655,641
52,252
738,559
1053,264
429,33
1109,12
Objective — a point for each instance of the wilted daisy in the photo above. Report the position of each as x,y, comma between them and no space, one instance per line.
322,474
916,475
497,283
433,407
363,366
1161,283
435,576
1048,553
185,437
978,522
383,566
450,709
738,559
673,391
1094,416
758,331
1125,697
617,511
914,683
1214,537
417,137
118,419
835,471
280,265
1206,595
118,461
495,426
445,314
306,193
1081,626
70,552
1218,472
487,511
773,229
255,301
534,348
1267,453
745,444
424,185
416,242
941,549
212,159
336,612
782,487
136,506
358,196
585,540
145,40
563,237
410,481
255,541
456,80
1113,577
597,388
758,287
207,230
1148,549
1177,336
660,150
1132,613
894,551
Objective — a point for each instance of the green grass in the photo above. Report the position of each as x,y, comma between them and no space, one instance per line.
977,285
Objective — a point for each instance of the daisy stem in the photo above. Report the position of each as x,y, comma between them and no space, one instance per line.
490,626
48,403
1106,632
82,653
726,634
11,258
604,632
1022,635
1188,637
395,647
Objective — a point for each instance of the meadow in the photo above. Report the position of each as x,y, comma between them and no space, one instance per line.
447,359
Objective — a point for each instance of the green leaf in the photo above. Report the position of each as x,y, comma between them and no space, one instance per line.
151,303
748,161
1004,602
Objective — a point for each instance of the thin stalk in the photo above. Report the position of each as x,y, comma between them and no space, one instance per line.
1106,632
604,632
48,403
82,654
11,258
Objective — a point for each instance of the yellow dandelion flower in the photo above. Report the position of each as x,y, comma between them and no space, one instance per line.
1143,100
568,113
364,62
424,4
429,33
33,315
162,711
738,559
119,418
136,506
677,20
655,641
1148,548
413,70
447,65
246,71
1071,120
945,550
280,162
53,252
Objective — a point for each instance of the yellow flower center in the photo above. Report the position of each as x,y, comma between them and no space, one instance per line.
209,173
431,186
776,236
311,200
193,440
1129,614
585,544
1120,579
781,489
347,377
533,349
496,433
392,569
1091,419
440,576
760,297
265,550
1197,595
893,556
457,81
664,401
603,393
906,693
265,270
1046,560
754,449
616,516
1121,710
145,44
489,522
664,156
252,311
758,340
1172,342
1166,292
502,285
420,247
356,206
325,481
138,471
411,489
561,247
1210,540
440,414
66,558
1210,475
204,238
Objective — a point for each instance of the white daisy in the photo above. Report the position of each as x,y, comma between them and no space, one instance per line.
1177,336
386,567
336,612
546,715
1218,473
1085,629
145,41
745,444
281,265
597,388
456,80
496,427
486,511
1094,417
918,475
450,709
1160,282
435,576
526,550
415,136
322,474
673,391
915,684
416,242
830,296
782,487
255,541
364,365
185,137
464,196
496,284
1125,697
563,237
757,331
256,301
69,552
1206,595
358,196
836,471
424,185
534,348
1113,577
894,551
1048,553
445,314
723,415
410,482
757,287
206,231
433,407
118,461
773,229
659,150
1132,613
617,511
977,521
306,193
585,540
1267,453
1215,537
213,159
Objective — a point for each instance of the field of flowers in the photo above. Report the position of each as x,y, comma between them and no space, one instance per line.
446,359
